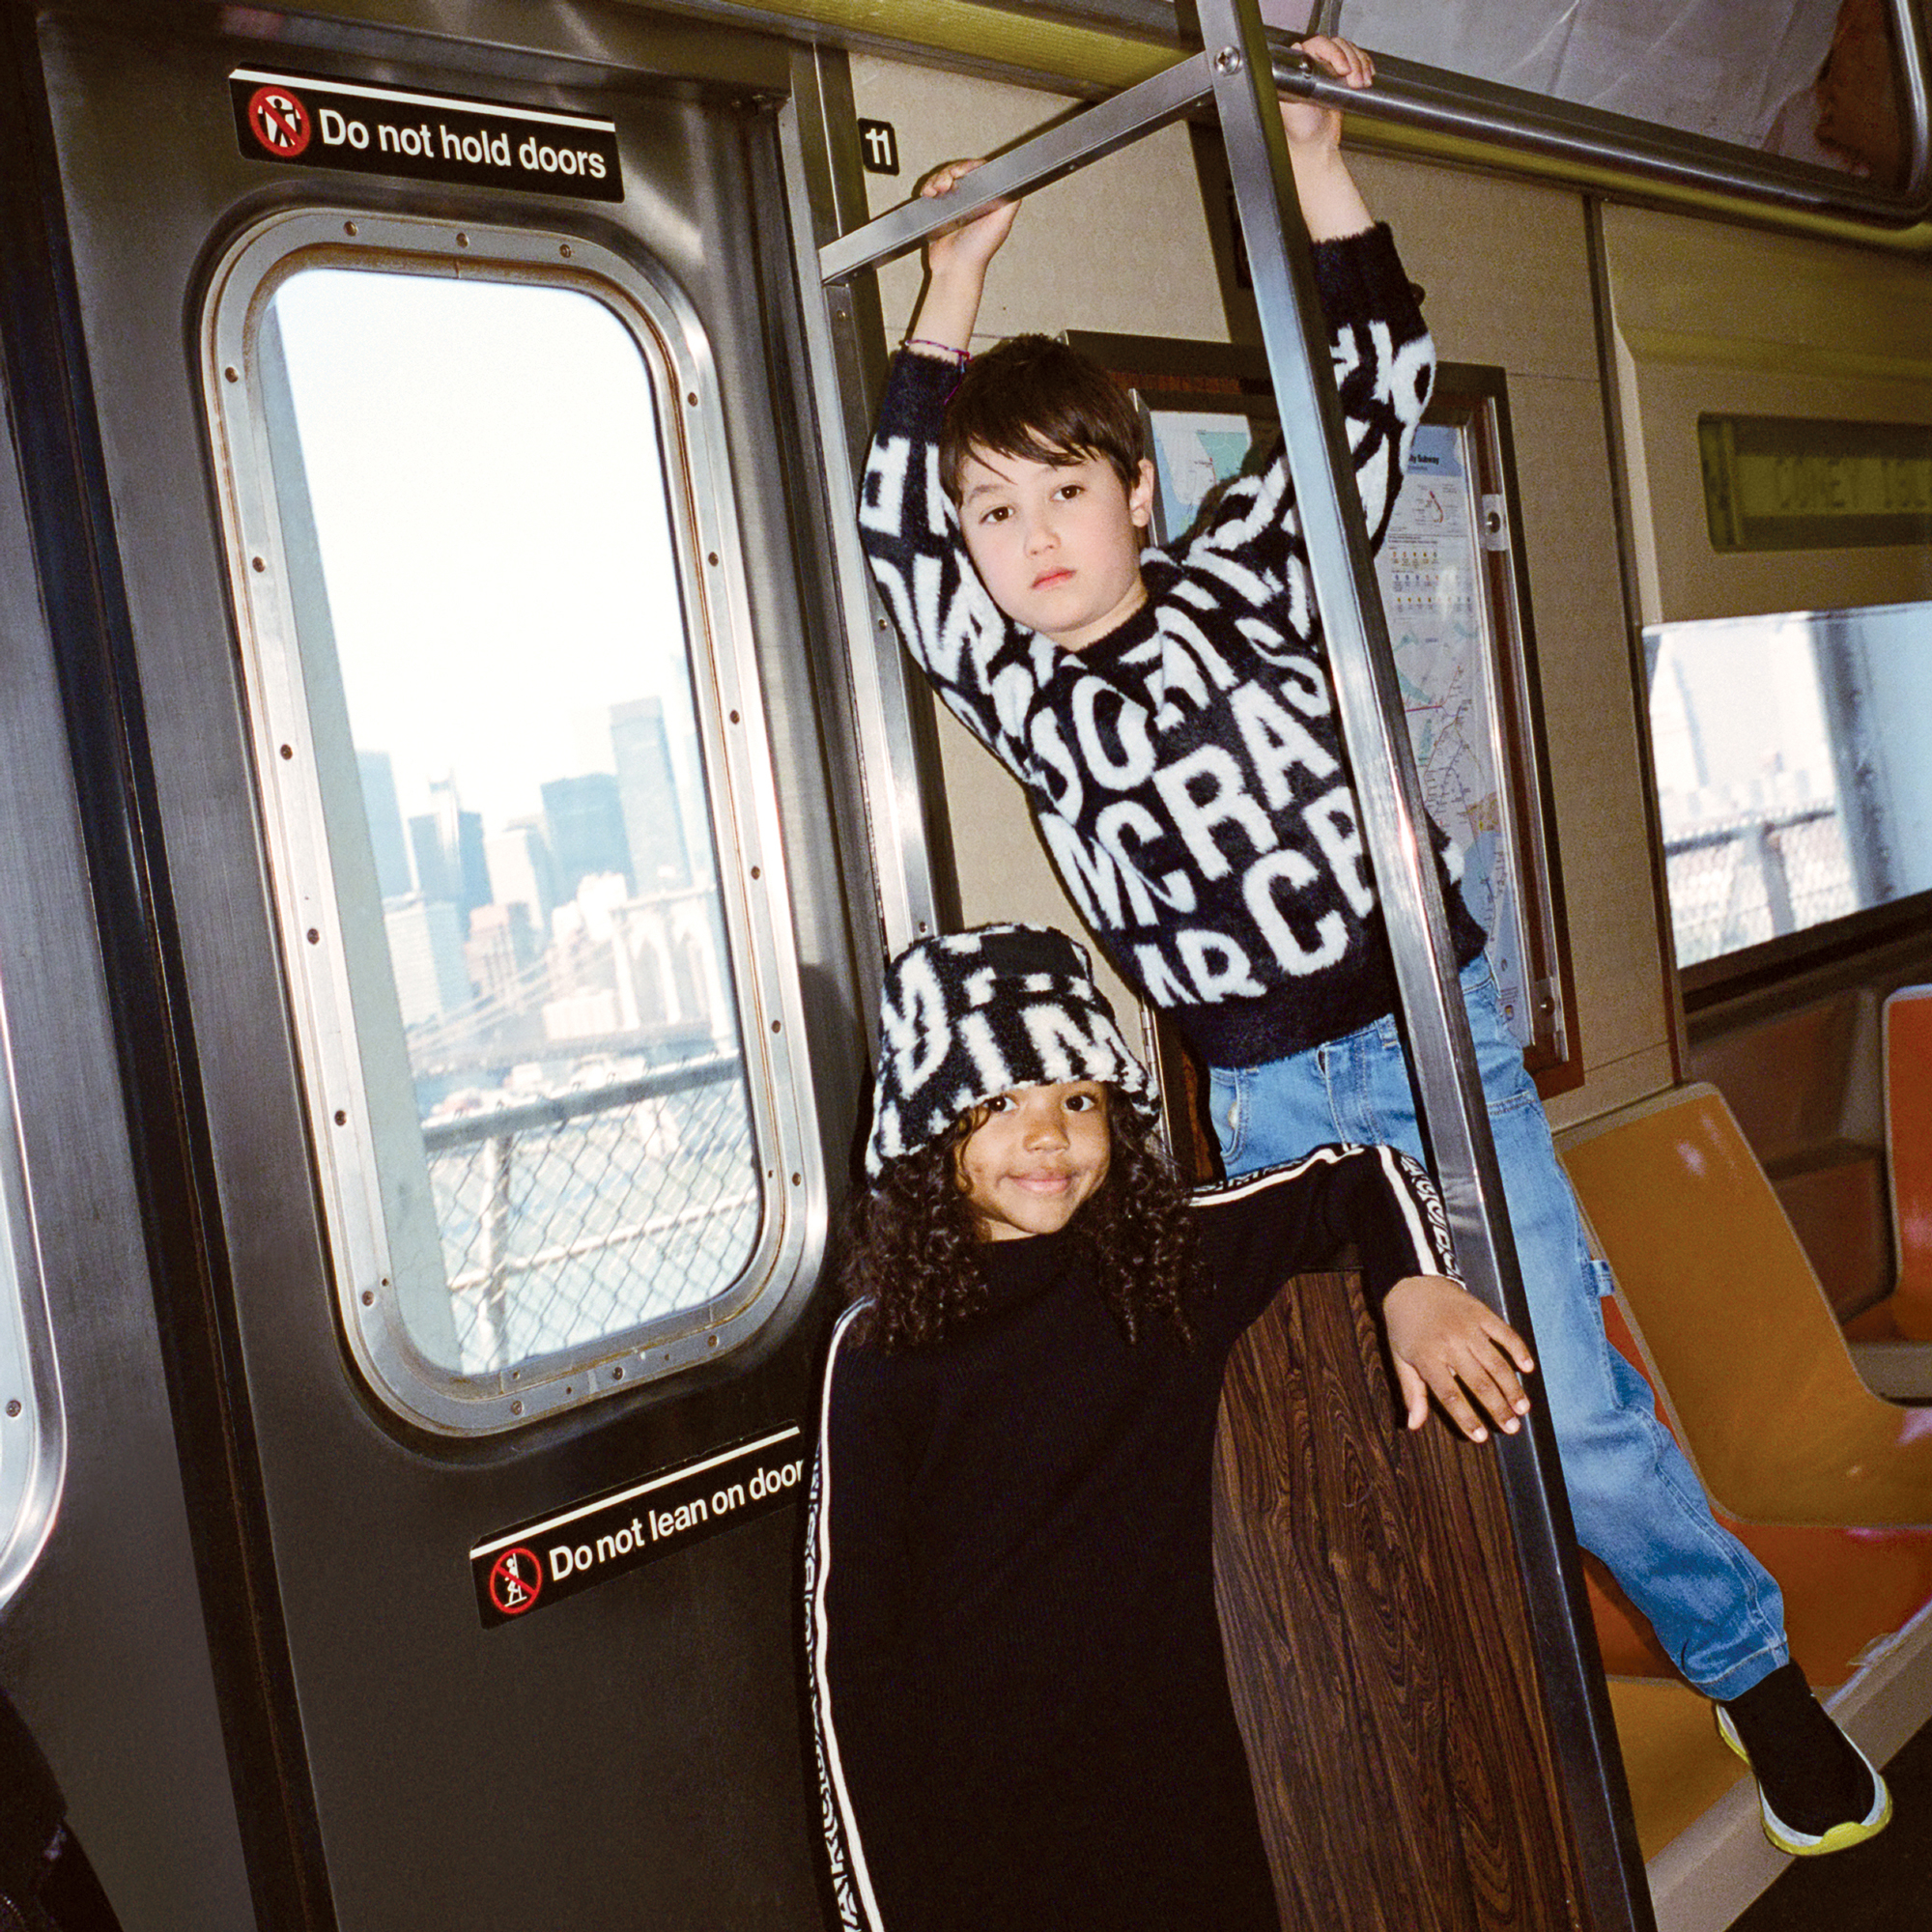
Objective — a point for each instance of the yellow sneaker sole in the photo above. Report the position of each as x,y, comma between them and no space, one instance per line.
1800,1844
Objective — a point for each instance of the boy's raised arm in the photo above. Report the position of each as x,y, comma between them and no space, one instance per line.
1331,204
957,261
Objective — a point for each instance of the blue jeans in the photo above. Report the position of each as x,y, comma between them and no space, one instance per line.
1636,1505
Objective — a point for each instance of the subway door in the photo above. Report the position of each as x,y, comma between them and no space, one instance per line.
443,405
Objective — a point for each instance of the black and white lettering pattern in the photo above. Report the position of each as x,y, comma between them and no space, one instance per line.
972,1014
1186,771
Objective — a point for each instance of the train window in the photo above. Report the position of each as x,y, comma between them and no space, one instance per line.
1791,776
506,724
1819,81
32,1436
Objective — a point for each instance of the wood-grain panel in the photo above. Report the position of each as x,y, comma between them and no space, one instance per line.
1377,1644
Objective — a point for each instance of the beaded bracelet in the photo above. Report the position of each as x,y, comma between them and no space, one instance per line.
959,355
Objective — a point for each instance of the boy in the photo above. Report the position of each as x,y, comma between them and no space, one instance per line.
1172,719
1018,1690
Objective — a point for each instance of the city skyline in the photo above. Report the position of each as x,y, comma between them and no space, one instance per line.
484,472
407,864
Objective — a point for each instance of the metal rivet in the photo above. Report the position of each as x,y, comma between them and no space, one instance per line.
568,1389
368,1297
777,1024
563,249
233,374
797,1179
516,1408
691,398
734,718
260,563
314,937
288,751
1228,60
755,872
711,1341
463,240
13,1406
341,1117
617,1374
349,228
711,557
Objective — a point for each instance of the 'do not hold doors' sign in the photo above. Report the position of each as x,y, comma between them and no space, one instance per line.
302,121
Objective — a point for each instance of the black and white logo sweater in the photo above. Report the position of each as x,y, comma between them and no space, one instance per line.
1186,771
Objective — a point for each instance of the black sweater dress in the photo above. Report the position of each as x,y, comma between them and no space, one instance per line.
1021,1707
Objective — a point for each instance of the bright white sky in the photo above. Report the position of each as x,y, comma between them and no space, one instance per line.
484,465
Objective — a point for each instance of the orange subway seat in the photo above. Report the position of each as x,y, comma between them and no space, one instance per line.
1844,1590
1906,1314
1750,1361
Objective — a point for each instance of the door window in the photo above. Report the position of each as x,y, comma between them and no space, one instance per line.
497,634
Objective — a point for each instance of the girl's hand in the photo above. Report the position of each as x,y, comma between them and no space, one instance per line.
1309,124
970,246
1445,1341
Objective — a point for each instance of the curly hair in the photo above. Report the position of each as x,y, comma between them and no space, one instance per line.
910,1241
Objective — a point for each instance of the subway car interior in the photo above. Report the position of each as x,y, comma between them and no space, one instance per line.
430,1098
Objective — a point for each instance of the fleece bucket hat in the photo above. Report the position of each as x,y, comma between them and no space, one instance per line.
970,1014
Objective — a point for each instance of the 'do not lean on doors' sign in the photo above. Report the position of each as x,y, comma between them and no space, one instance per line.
583,1543
304,122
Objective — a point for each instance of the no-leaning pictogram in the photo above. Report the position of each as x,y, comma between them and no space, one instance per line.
516,1581
278,120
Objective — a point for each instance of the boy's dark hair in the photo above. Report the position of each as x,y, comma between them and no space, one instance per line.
910,1240
1037,398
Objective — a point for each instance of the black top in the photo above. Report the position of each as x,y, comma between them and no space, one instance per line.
1186,771
1021,1707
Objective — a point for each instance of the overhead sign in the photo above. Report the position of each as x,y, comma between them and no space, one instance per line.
1795,483
309,123
541,1563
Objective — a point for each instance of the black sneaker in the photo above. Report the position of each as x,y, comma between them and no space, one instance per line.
1816,1789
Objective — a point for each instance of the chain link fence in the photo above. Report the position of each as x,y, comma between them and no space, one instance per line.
1739,881
580,1215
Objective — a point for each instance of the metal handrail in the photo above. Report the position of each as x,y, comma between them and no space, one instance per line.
1407,93
557,1110
1086,136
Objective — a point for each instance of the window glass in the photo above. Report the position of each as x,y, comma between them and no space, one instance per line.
497,672
1811,80
1791,774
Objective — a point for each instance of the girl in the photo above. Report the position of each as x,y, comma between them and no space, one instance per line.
1021,1709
